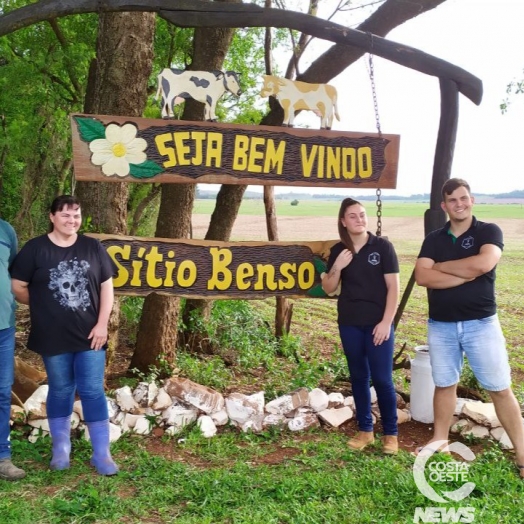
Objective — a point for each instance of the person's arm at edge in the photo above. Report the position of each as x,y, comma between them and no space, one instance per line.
474,266
331,281
98,334
20,291
427,276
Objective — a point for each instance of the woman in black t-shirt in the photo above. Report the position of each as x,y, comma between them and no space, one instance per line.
366,268
66,279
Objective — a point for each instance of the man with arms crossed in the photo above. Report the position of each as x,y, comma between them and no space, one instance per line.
457,265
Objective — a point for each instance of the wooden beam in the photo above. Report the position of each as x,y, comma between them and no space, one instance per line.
187,13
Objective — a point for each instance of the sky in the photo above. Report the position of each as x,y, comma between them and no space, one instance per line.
484,37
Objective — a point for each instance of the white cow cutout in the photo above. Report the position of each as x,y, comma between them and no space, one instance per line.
177,85
294,96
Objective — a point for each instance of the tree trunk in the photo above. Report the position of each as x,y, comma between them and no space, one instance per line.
117,86
174,219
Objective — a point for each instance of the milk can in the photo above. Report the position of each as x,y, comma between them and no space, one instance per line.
422,386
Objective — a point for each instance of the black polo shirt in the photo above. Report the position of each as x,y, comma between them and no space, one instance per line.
362,299
472,300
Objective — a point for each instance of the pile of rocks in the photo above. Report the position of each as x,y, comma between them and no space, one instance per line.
478,419
180,402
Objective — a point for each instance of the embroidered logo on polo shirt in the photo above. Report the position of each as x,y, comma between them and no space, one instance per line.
374,258
468,242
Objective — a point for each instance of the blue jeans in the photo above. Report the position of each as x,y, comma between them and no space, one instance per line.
483,343
365,361
7,360
82,372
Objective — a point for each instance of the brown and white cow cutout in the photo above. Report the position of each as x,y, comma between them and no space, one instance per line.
294,96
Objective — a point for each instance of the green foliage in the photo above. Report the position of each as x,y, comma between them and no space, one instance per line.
294,202
515,87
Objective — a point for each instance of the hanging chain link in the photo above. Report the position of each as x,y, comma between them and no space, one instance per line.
379,130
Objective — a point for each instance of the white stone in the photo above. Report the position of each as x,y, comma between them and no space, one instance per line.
462,424
336,400
39,423
477,431
142,426
126,402
241,408
162,400
274,420
318,400
203,398
254,424
35,434
220,418
482,413
286,403
373,394
496,433
115,432
460,404
77,408
75,420
145,393
130,420
403,415
35,404
207,426
178,416
350,402
302,422
336,416
505,442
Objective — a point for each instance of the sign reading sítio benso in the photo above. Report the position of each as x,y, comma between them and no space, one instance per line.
212,269
111,148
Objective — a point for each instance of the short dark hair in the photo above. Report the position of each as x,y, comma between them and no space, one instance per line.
452,184
62,201
342,231
59,203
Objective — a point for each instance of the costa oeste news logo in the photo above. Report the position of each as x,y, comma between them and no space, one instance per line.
442,472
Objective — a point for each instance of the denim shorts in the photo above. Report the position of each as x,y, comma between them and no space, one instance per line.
484,345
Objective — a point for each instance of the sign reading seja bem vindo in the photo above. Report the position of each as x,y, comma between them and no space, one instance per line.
213,269
111,148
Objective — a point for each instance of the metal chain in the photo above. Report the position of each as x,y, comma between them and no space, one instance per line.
379,130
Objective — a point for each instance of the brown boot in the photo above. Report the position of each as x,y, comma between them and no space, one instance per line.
390,444
361,440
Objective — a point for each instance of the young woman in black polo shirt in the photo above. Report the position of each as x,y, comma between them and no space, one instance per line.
366,266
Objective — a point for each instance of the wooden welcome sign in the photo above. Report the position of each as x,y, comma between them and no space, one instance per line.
111,148
213,269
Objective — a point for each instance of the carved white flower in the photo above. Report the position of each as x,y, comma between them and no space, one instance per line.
118,149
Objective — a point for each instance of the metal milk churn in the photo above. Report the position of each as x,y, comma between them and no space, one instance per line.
422,386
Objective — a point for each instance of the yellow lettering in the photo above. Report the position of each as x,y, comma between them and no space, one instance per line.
198,137
240,159
255,154
170,268
307,161
306,275
221,277
365,168
182,149
287,270
320,163
183,279
348,157
333,162
160,141
214,149
274,157
268,271
124,252
153,257
245,270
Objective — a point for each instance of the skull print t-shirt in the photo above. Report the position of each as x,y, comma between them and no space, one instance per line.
64,291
